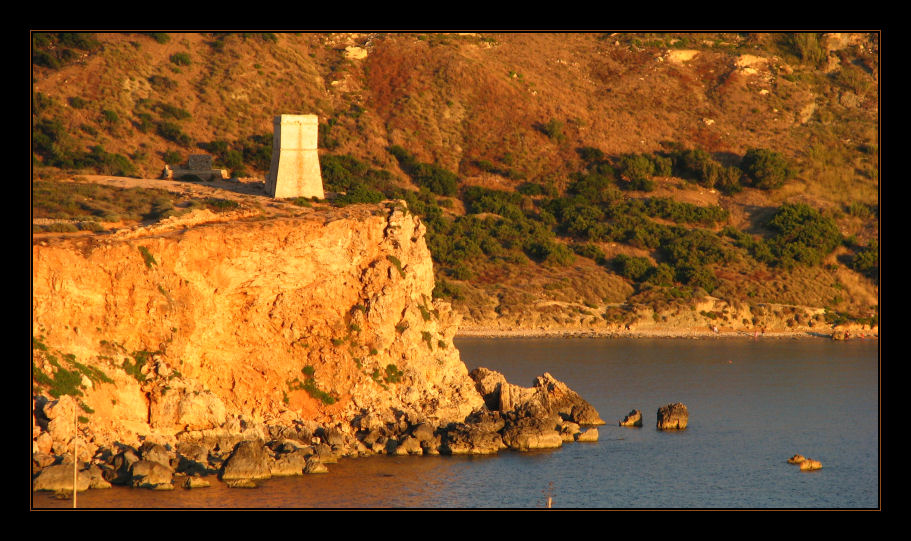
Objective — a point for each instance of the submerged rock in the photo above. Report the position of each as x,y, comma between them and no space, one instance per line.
672,417
194,481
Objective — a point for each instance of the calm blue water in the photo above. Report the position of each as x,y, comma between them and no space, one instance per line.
752,404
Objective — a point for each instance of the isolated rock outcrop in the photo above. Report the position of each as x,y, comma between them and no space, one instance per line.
673,417
810,465
806,464
547,396
633,418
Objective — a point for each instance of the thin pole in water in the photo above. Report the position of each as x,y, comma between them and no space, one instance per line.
75,453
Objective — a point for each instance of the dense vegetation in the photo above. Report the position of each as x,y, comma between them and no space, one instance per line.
423,122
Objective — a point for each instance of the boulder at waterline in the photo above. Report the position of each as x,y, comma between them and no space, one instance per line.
59,478
149,474
248,461
532,433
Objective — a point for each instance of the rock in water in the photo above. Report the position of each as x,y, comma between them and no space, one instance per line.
634,418
672,417
796,459
810,465
589,435
547,396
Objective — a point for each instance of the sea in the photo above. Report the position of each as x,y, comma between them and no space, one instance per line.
753,403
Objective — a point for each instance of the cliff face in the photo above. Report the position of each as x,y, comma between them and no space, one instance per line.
320,316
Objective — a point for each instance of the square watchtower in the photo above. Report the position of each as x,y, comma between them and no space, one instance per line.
295,170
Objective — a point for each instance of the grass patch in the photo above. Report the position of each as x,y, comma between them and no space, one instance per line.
147,257
397,264
83,201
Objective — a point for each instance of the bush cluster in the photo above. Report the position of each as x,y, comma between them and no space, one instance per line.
56,148
803,235
866,261
254,151
766,169
431,176
58,49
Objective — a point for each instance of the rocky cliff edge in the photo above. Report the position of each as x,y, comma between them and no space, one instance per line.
321,317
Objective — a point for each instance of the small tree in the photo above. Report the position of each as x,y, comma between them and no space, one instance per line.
766,169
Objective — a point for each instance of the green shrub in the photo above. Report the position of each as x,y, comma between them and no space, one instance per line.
431,176
162,83
172,132
160,37
590,251
77,102
550,252
220,205
478,200
679,212
633,268
535,188
766,169
866,261
168,111
446,290
590,154
694,248
180,59
697,276
802,235
636,167
393,374
397,264
147,257
553,129
359,194
661,275
111,117
594,187
806,47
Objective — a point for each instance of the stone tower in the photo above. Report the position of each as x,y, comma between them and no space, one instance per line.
295,163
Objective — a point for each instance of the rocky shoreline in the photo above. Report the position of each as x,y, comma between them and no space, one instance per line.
491,332
242,452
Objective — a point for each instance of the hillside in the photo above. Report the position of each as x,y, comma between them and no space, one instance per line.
744,166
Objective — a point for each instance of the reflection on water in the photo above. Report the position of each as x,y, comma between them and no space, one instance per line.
752,405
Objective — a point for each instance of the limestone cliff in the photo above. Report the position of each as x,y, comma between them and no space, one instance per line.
319,316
